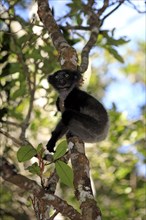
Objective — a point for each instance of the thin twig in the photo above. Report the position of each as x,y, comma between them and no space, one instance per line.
136,8
121,2
11,123
17,142
6,134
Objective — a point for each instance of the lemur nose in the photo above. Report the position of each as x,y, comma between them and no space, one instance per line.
62,82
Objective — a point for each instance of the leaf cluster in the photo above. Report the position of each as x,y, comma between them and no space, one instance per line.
65,173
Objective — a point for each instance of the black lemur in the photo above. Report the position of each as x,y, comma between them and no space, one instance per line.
82,114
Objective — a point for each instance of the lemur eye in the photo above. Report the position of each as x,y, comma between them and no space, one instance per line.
66,75
56,77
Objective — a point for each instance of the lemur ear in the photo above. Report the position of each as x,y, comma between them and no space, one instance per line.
76,74
79,78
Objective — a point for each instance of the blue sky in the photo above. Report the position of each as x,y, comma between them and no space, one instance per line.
128,97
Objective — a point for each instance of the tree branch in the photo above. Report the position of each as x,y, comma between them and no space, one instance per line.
6,134
11,123
82,184
76,27
17,142
52,181
8,173
103,8
94,23
67,54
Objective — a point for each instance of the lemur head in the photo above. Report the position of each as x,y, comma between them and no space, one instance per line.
65,80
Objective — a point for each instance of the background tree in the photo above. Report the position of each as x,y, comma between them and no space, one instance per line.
27,56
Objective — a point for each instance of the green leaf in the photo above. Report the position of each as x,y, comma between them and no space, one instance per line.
110,40
64,172
14,113
15,67
61,150
26,153
39,148
19,93
115,54
79,19
34,168
35,53
122,172
23,39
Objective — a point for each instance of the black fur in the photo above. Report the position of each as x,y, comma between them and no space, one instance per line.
82,114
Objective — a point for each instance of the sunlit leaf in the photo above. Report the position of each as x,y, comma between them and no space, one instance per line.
115,53
19,93
39,148
26,153
122,172
34,168
112,41
64,172
60,150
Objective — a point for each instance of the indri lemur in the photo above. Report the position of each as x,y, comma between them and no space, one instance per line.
82,115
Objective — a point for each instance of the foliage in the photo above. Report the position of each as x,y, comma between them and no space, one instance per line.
27,57
64,172
26,153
